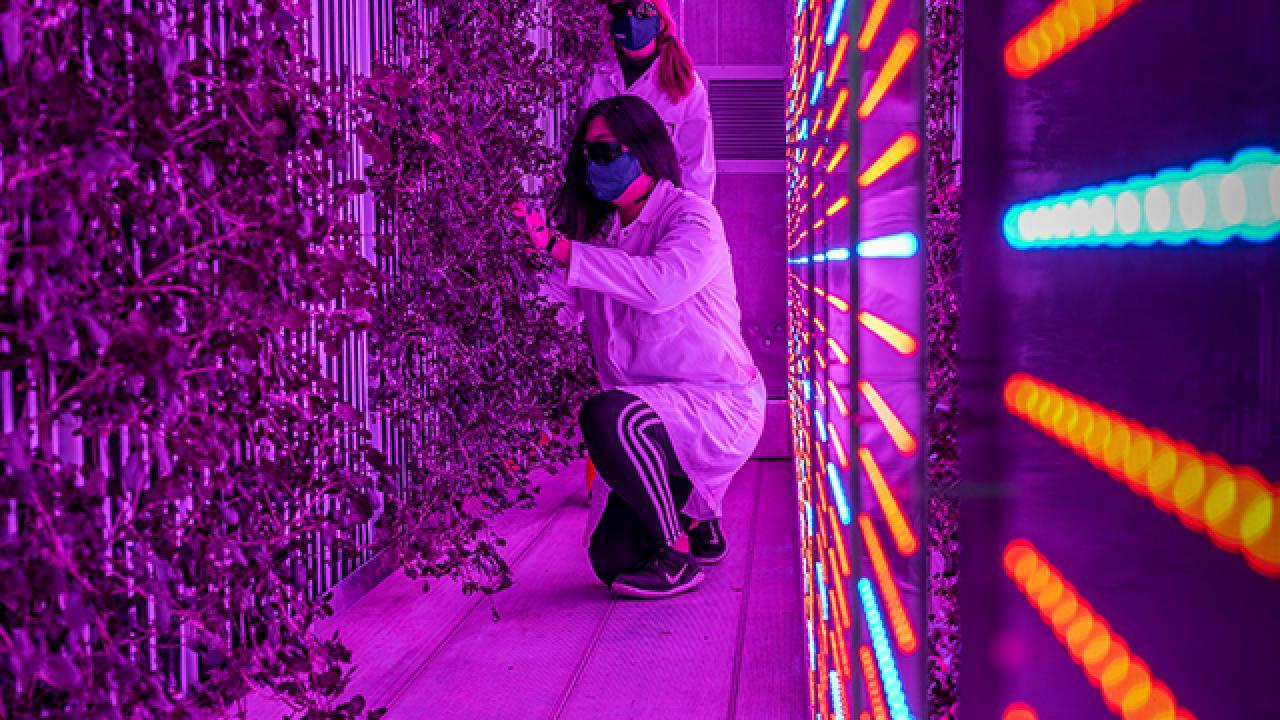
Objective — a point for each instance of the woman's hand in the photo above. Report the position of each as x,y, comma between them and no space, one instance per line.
535,225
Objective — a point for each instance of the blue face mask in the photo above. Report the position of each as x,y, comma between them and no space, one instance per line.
634,33
608,181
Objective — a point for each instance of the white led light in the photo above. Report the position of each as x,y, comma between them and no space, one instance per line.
1274,182
1191,205
1128,212
1027,225
1060,221
1081,223
1103,215
1159,210
1231,195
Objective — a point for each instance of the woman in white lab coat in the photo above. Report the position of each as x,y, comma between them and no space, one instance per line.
651,63
644,265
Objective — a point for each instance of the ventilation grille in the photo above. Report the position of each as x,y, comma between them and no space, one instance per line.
749,118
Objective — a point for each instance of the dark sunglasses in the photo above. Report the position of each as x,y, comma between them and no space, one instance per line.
603,153
641,10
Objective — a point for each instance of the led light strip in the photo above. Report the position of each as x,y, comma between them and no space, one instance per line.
891,681
1060,27
903,538
900,245
875,16
1124,679
837,62
902,437
894,336
899,56
1208,203
838,399
1234,506
838,303
903,147
902,630
1021,711
841,456
875,695
837,494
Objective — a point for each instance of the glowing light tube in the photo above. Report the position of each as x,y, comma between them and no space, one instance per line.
837,695
902,148
875,17
1125,681
838,399
1233,505
875,695
894,336
837,112
837,494
838,303
841,456
898,620
1020,711
902,437
900,245
891,680
842,556
1062,25
841,203
840,152
1208,203
903,538
837,62
833,24
901,53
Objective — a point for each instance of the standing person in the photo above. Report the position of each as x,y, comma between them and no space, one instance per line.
645,265
651,63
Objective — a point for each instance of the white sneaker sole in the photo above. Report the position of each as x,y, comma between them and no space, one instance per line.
644,594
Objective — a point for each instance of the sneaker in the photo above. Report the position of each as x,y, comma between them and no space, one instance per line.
669,572
707,543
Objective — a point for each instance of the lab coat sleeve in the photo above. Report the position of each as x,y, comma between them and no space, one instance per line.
695,144
691,251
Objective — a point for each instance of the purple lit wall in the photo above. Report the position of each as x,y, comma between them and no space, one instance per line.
1120,359
856,186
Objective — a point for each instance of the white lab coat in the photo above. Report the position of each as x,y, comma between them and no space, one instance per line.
659,306
688,121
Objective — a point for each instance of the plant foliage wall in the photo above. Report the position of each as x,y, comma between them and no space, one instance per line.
233,363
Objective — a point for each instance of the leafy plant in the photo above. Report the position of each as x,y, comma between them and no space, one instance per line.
179,261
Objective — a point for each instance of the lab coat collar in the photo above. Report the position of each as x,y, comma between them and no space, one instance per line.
619,83
648,213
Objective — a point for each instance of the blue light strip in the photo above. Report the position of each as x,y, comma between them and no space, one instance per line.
822,590
808,516
833,23
900,245
837,694
813,650
816,93
889,677
837,493
1210,203
822,426
833,255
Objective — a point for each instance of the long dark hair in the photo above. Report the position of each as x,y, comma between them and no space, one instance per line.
576,212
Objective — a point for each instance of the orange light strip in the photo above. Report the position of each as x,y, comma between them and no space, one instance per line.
837,60
841,554
838,351
875,16
901,53
837,589
818,190
1062,25
902,148
898,620
1021,711
875,696
903,537
817,158
840,204
839,400
837,112
842,458
902,437
1124,679
839,154
893,335
1233,505
836,302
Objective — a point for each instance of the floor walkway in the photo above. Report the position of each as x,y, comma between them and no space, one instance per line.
565,648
